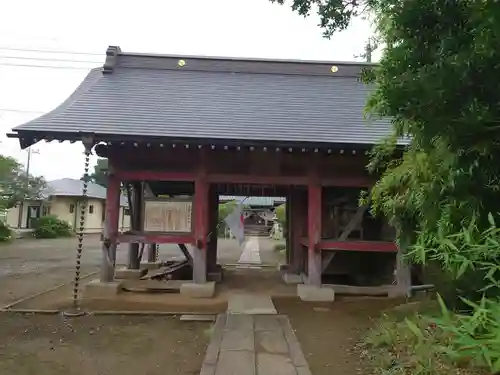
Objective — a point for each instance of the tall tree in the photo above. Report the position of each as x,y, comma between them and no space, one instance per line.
437,81
16,185
98,176
335,15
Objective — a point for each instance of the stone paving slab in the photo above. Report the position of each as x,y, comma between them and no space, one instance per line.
254,345
241,303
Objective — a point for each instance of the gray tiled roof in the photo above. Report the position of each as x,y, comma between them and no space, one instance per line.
253,201
70,187
145,96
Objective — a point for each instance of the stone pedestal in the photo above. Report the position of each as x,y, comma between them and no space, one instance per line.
98,289
292,278
198,290
313,293
127,273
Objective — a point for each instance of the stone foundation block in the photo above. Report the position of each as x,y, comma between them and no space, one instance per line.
126,273
292,278
313,293
399,292
283,267
98,289
150,265
193,290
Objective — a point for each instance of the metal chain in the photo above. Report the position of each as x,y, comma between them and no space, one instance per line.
157,251
81,229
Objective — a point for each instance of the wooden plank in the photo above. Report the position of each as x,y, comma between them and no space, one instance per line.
153,285
371,246
155,238
164,271
186,253
382,290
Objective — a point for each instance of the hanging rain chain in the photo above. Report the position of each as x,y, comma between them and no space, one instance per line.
79,247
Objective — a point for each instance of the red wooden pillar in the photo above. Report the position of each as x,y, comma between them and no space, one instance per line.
314,233
110,235
201,190
288,229
298,213
136,224
213,217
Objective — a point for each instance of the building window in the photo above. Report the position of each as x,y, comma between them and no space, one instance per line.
71,208
45,210
126,211
91,209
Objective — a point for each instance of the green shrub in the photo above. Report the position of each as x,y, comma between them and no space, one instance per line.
5,232
470,317
51,227
281,214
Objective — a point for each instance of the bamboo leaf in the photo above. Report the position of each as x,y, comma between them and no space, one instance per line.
414,329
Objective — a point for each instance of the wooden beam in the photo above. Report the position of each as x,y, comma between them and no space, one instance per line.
153,175
276,179
156,238
371,246
186,253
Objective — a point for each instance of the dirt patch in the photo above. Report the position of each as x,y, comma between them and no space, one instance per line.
264,281
329,332
18,286
100,345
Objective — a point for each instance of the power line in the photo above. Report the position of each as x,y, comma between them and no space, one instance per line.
19,110
45,66
45,59
50,51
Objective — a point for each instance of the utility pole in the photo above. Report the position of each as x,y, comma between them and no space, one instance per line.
21,204
370,47
368,51
28,163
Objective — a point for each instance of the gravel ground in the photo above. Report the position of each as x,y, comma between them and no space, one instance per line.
100,345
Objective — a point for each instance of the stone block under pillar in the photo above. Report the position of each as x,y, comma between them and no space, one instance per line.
292,278
313,293
150,265
194,290
399,292
127,273
100,289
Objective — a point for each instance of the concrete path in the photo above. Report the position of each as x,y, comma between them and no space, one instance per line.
251,252
254,345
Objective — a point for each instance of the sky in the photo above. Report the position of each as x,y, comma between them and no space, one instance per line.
36,35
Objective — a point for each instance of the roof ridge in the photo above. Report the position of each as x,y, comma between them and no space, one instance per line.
116,58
